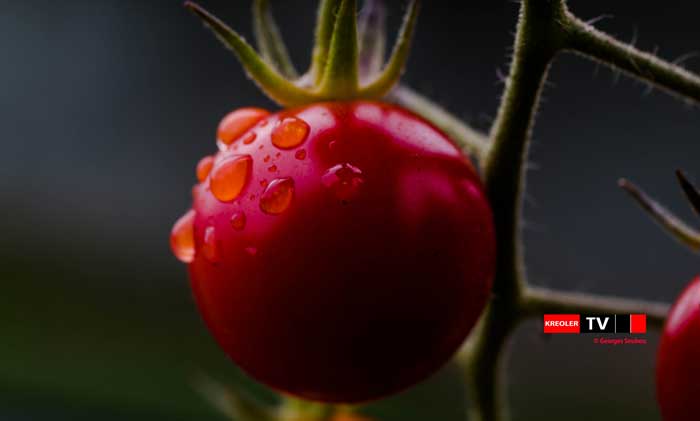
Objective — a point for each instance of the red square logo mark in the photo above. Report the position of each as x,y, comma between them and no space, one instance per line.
638,323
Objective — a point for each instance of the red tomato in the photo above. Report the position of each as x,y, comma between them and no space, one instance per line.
342,251
678,360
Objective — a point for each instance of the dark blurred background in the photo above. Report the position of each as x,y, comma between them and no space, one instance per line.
106,106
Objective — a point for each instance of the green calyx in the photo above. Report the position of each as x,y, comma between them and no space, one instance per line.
347,59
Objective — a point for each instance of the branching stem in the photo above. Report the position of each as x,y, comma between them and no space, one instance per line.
584,39
503,169
544,29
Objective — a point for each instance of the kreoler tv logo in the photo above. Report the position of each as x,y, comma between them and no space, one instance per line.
589,323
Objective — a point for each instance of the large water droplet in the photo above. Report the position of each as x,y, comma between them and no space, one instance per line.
238,221
182,237
204,167
249,138
277,196
230,176
290,133
344,180
238,122
210,247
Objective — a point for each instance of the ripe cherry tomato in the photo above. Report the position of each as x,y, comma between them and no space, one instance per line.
678,360
338,252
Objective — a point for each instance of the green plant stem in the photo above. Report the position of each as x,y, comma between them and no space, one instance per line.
270,41
391,73
270,81
588,41
544,29
340,75
504,173
371,25
665,218
690,191
538,301
325,23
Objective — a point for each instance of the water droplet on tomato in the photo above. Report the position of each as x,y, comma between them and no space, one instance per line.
300,154
182,237
290,133
277,196
272,168
238,221
204,167
332,145
238,122
267,158
230,176
263,123
210,247
344,180
263,183
251,250
249,138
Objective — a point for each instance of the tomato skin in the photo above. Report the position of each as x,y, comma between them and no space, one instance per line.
678,358
357,289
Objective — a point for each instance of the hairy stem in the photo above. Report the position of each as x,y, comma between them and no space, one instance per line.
538,301
340,76
667,220
504,174
325,23
585,39
270,41
371,25
690,191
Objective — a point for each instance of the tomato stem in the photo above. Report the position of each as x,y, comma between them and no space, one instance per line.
504,173
545,29
391,73
231,403
371,26
325,24
335,70
269,40
275,85
340,75
583,38
671,223
691,192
